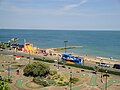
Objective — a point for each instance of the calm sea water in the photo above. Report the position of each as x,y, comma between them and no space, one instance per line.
95,43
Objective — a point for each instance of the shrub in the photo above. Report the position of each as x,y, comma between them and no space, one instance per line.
53,72
56,76
74,80
48,77
62,83
43,81
61,78
51,82
40,81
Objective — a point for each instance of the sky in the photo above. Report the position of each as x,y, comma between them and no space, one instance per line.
60,14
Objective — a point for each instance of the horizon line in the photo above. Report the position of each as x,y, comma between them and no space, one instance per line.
62,29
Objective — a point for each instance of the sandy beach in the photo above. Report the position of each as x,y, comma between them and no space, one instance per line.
105,60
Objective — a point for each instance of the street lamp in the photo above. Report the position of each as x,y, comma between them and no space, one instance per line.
106,79
70,78
101,71
58,63
29,56
8,71
65,52
14,53
65,45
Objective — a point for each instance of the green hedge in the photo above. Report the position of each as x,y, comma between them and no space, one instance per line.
44,60
109,71
80,66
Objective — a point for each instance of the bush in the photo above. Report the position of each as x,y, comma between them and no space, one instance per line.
36,69
56,76
61,78
74,80
51,82
41,81
49,77
62,83
53,72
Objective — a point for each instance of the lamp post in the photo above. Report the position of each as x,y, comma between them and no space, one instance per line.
65,45
65,52
8,71
29,56
14,53
70,78
106,79
58,63
101,72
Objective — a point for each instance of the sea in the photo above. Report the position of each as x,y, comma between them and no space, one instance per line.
94,43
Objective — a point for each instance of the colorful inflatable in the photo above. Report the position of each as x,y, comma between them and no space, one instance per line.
28,48
71,59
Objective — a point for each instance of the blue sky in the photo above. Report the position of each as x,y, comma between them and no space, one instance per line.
60,14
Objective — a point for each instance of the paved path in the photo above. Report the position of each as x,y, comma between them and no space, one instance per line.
78,87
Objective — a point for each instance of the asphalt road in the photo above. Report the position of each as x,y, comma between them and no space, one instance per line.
12,52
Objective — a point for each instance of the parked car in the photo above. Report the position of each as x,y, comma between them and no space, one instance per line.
1,49
103,65
117,66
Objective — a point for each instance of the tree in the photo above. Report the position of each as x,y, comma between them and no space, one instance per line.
36,69
4,85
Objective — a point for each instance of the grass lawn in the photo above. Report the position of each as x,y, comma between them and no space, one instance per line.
19,83
8,76
83,75
110,82
93,81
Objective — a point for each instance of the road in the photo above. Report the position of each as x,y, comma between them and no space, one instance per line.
19,53
12,52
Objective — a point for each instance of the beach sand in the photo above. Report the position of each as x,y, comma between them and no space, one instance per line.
103,60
